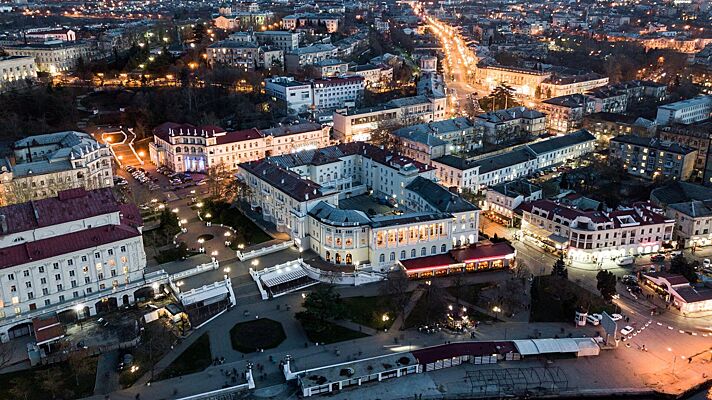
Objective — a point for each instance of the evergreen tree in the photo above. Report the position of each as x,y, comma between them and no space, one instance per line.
559,268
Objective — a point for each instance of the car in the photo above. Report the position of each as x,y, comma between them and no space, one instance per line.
624,261
627,330
616,317
706,263
597,316
676,253
657,258
592,320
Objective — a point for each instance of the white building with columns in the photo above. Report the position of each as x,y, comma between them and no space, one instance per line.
80,252
308,195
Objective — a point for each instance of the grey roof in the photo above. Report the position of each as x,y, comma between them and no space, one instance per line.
332,215
70,144
653,143
519,187
680,192
694,208
292,129
233,44
440,198
559,142
505,160
420,134
411,218
456,162
315,48
678,105
500,116
330,62
40,167
571,100
409,101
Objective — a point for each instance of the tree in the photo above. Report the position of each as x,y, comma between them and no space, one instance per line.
501,97
606,284
383,136
21,388
559,268
521,270
396,288
320,306
680,265
48,380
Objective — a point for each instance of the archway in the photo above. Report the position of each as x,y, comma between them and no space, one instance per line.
337,258
24,329
68,316
106,304
348,258
143,293
125,300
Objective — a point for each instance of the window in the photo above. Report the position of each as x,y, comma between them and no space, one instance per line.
382,258
433,250
98,266
43,281
74,283
48,302
97,255
412,253
393,256
11,277
57,277
70,262
84,258
71,272
28,284
87,279
61,298
41,269
88,290
26,273
60,287
55,265
30,295
111,252
402,255
75,294
443,248
123,249
423,251
45,291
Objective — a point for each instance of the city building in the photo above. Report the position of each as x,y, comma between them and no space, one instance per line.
689,205
357,124
338,92
501,200
75,255
605,126
677,291
653,158
565,113
330,22
185,147
376,76
695,136
593,236
16,71
53,57
423,142
685,111
524,81
503,126
46,34
283,40
324,199
608,100
44,165
302,57
330,68
243,55
513,163
296,96
557,86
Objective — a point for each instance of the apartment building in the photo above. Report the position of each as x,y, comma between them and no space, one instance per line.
695,136
524,81
331,68
244,55
46,34
333,93
375,75
513,123
302,57
514,163
424,142
653,158
53,57
44,165
283,40
185,147
593,236
357,124
501,200
302,195
297,97
330,22
686,111
565,113
556,86
16,71
690,206
79,253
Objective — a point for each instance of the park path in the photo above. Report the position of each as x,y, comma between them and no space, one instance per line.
107,377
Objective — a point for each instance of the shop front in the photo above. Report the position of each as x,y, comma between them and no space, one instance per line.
475,258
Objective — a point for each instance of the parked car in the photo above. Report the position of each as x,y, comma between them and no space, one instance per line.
624,261
616,317
627,330
676,253
706,263
593,320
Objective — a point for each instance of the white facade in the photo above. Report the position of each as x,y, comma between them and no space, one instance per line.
189,148
46,164
14,71
280,39
53,57
336,92
68,261
592,236
685,111
298,96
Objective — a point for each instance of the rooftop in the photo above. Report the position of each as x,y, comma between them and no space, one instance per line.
438,197
653,143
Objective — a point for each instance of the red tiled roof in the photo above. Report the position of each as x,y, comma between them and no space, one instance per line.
428,262
63,244
70,205
238,136
495,250
448,351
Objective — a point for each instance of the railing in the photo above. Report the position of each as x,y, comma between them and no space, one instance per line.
298,263
220,394
211,266
264,250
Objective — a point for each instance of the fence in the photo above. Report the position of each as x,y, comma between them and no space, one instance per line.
264,250
220,394
211,266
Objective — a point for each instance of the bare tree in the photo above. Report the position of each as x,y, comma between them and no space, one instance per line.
48,380
78,365
21,388
7,352
396,288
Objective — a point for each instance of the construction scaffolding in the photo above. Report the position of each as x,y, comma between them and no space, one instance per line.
516,381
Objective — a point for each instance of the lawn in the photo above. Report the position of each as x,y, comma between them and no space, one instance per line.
195,358
429,309
369,311
263,333
56,381
555,300
333,334
468,293
247,232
